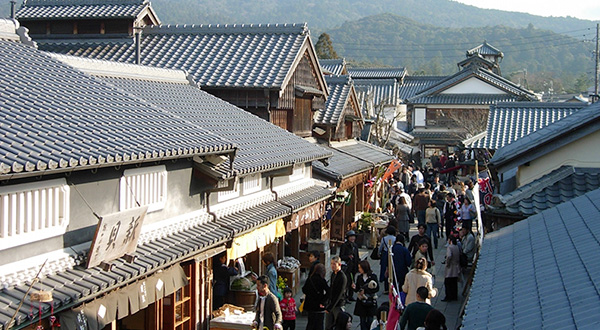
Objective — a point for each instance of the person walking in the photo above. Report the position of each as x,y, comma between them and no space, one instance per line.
420,202
467,214
268,313
450,214
383,253
367,287
316,291
416,278
433,219
415,313
402,215
452,270
401,260
434,320
337,293
349,255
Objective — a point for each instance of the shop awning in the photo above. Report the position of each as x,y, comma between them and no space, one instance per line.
305,197
252,218
124,301
256,239
73,287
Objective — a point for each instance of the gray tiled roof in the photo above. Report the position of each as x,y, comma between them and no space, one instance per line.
365,151
377,73
243,221
261,145
306,197
340,89
334,67
378,91
548,138
56,118
341,166
217,56
540,273
507,122
70,9
557,187
433,94
75,286
484,49
413,85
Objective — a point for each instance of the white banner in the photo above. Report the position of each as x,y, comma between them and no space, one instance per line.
477,198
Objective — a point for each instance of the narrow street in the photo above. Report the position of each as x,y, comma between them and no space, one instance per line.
450,310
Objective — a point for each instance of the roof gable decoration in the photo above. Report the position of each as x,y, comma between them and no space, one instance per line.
307,49
334,67
473,85
485,49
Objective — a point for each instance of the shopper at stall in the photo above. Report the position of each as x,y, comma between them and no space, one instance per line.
316,291
221,276
269,260
349,255
268,313
337,293
366,286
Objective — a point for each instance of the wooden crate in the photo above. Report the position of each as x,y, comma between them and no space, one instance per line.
293,278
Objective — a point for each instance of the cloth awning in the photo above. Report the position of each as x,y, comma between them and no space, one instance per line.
124,301
256,239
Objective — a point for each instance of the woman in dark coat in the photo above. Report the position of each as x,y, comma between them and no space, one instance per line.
366,285
402,215
315,289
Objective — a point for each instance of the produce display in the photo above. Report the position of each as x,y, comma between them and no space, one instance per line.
241,283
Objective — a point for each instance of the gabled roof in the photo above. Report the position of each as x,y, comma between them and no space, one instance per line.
434,93
377,73
217,56
55,118
341,90
540,273
556,187
334,67
485,49
261,145
377,91
83,9
549,138
413,85
507,122
476,59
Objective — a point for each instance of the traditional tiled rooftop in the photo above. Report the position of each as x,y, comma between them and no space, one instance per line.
507,122
334,67
485,49
413,85
559,186
55,118
377,73
434,93
261,145
217,56
341,166
541,272
365,151
340,89
377,91
552,136
71,9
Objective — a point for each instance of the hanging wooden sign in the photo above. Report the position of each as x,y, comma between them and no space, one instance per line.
306,215
116,235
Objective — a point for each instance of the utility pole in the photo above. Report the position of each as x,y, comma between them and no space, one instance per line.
595,98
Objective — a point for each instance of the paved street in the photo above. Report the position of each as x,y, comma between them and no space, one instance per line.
450,309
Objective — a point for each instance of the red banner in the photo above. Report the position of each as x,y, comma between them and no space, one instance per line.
486,190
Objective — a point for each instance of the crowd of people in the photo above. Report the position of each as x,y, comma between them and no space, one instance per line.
444,215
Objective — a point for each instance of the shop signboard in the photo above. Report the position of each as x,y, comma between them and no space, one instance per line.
306,215
116,235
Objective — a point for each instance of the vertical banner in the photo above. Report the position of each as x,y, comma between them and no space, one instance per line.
477,198
486,190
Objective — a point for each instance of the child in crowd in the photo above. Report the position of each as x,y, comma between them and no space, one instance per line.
288,309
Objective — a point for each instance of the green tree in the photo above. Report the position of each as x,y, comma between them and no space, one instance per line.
324,47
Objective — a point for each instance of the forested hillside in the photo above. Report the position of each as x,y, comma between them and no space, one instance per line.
397,41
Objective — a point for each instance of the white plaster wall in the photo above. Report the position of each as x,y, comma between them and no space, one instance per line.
580,153
473,86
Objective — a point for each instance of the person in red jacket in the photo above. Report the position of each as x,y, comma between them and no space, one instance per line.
288,309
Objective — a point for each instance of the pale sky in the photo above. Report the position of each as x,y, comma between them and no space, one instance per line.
585,9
